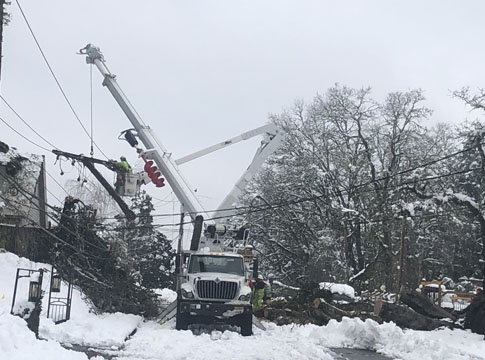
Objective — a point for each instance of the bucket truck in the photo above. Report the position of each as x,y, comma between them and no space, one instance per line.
213,275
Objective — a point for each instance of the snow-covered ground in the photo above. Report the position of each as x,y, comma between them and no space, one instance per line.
156,341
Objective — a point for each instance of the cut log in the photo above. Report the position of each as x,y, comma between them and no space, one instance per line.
423,306
405,317
332,311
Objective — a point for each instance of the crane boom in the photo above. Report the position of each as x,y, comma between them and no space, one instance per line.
268,128
273,139
155,150
273,136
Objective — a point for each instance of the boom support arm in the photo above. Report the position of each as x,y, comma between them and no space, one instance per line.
155,149
274,137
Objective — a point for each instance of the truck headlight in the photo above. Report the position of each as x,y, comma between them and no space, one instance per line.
187,294
245,297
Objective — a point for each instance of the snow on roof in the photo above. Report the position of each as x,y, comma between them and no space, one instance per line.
26,178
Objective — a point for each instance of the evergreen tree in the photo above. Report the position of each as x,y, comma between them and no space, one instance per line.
84,255
148,249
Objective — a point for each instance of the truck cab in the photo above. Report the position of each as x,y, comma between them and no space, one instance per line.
215,291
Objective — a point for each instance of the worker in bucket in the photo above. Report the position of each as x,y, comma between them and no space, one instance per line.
122,168
258,293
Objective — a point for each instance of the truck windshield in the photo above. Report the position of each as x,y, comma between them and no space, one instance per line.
217,264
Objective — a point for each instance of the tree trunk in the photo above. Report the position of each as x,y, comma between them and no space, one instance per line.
409,319
482,235
358,246
423,306
349,253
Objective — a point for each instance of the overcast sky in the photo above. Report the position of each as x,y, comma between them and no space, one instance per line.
199,72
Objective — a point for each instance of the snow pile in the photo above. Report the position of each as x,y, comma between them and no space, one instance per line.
392,341
105,330
84,328
155,341
17,342
303,342
341,289
166,296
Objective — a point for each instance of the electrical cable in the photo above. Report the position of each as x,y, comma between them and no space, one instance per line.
34,143
74,112
54,196
313,197
254,209
32,196
54,179
10,202
307,199
449,156
55,77
91,106
26,217
26,123
25,138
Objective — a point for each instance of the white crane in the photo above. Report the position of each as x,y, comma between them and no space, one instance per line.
163,159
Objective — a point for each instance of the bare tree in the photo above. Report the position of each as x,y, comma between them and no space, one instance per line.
94,194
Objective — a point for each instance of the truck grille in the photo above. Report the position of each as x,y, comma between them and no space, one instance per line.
209,289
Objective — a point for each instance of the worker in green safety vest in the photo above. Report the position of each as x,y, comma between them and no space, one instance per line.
122,168
258,293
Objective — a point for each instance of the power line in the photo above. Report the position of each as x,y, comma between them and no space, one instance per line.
251,209
278,205
55,78
91,106
32,142
54,196
294,202
54,179
32,222
316,197
33,196
423,165
26,123
18,133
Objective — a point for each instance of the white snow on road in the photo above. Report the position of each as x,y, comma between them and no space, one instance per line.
155,341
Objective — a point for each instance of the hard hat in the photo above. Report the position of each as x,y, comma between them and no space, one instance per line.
260,277
122,158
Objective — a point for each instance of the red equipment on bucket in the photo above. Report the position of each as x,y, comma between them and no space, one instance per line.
153,173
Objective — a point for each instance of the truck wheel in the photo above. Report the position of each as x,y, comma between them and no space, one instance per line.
182,321
246,324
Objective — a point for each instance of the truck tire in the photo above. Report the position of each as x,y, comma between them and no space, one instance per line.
246,324
182,321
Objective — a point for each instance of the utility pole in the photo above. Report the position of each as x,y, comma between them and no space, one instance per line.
89,163
178,260
2,16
